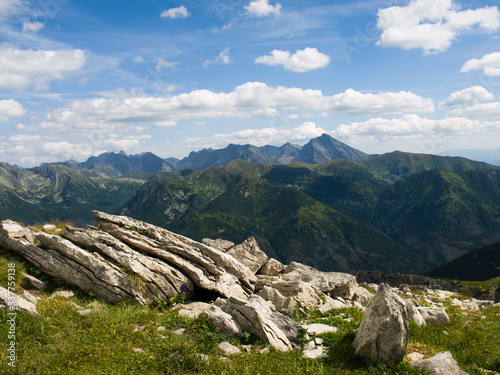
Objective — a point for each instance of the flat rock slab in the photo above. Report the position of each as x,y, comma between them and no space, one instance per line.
441,364
318,328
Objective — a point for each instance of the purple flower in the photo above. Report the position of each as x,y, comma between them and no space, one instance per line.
183,288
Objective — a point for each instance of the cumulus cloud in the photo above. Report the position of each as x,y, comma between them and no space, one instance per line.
20,69
471,95
477,110
163,64
10,108
262,8
301,61
246,101
412,124
179,12
357,103
490,64
431,25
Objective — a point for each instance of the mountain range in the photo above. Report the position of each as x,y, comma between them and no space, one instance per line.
324,204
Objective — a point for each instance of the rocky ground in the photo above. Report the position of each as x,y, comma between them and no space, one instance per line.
237,288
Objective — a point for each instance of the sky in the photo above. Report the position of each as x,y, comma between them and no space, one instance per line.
78,78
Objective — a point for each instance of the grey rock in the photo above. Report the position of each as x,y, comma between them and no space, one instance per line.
361,295
218,243
383,334
414,357
254,315
441,364
334,283
272,267
285,305
316,353
434,315
250,254
414,314
331,304
31,282
63,293
318,328
229,349
30,297
14,303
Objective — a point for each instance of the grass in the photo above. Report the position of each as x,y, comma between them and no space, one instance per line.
61,341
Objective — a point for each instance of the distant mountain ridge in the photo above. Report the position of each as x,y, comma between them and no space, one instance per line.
317,150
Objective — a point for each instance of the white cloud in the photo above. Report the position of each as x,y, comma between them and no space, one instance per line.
490,64
179,12
138,59
32,27
20,69
357,103
477,110
10,7
10,108
223,58
252,99
262,8
412,125
431,25
163,64
301,61
471,95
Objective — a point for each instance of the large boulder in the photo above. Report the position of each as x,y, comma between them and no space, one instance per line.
414,314
441,364
383,334
255,316
272,267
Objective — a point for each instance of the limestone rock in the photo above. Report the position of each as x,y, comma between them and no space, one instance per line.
361,295
434,315
31,282
414,314
250,254
334,283
272,267
229,349
206,266
383,334
285,305
218,243
414,357
441,364
318,328
14,303
255,316
331,304
12,230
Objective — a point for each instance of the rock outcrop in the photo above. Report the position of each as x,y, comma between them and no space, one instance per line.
383,334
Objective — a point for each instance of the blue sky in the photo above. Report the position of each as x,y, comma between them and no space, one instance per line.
78,78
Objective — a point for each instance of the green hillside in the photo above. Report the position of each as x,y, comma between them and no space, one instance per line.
57,192
289,224
477,265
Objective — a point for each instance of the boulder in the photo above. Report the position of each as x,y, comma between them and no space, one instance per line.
285,305
250,254
305,295
331,303
414,314
14,303
272,267
383,334
441,364
31,282
213,314
255,316
229,349
333,283
318,328
361,295
434,315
